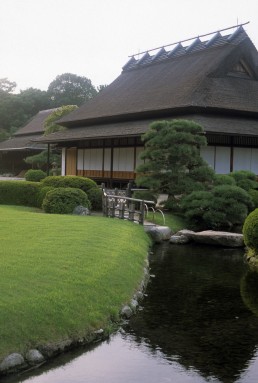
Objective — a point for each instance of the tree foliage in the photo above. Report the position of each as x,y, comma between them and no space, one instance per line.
7,86
172,158
16,109
50,124
245,179
40,160
70,89
222,207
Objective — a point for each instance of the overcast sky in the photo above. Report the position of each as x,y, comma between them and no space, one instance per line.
41,39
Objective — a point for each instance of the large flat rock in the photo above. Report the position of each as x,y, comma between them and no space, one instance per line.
218,238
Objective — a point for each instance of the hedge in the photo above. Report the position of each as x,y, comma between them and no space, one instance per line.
28,193
23,193
82,183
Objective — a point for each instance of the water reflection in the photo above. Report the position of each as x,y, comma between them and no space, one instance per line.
197,324
194,311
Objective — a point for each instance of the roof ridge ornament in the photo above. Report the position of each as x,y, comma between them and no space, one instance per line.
238,26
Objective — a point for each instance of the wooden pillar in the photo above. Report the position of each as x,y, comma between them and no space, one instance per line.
231,165
48,158
111,162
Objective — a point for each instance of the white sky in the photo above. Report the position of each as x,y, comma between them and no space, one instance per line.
40,39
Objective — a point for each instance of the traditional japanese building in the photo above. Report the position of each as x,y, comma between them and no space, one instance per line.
211,79
14,150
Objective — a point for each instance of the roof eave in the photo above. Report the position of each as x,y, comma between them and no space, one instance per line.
190,108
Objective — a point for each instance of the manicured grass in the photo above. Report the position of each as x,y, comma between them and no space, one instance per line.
173,221
61,275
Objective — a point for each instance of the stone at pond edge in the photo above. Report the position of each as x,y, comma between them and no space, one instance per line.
34,357
81,210
12,361
211,237
134,304
49,350
126,312
158,233
138,296
179,239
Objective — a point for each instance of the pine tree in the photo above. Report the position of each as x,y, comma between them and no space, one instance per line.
172,160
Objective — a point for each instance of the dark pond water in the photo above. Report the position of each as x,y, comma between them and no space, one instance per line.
198,323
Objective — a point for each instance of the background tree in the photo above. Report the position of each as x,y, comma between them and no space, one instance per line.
17,109
33,100
101,87
172,159
6,97
7,86
70,89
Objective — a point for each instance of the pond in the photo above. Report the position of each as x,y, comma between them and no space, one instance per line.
198,323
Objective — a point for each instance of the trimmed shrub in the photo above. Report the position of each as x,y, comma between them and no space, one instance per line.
254,195
250,231
224,179
82,183
19,193
35,175
43,190
245,179
95,197
64,200
224,206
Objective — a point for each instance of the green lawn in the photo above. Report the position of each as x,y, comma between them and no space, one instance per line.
173,221
62,275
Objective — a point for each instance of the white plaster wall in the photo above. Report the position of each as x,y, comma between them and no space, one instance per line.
123,159
222,160
254,161
208,154
107,159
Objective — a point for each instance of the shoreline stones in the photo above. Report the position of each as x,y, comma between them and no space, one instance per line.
209,237
158,233
12,362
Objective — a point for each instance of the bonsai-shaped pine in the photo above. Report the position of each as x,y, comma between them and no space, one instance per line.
172,160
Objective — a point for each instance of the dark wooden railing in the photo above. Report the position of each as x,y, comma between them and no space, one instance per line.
123,207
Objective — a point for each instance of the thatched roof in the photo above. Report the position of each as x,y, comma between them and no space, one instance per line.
22,139
219,74
36,124
22,143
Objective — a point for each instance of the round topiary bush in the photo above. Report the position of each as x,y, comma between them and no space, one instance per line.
35,175
64,200
82,183
43,190
250,231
